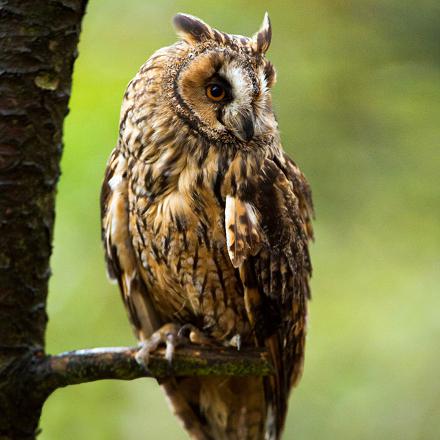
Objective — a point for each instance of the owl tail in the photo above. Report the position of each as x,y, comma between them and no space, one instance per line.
276,391
184,409
220,408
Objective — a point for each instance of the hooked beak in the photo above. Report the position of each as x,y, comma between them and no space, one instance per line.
241,124
244,128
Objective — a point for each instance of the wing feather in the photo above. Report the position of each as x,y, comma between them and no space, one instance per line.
121,261
243,235
276,277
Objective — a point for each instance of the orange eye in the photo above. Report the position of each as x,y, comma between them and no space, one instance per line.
215,92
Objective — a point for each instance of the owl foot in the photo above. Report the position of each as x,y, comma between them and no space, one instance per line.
170,335
235,341
194,335
167,335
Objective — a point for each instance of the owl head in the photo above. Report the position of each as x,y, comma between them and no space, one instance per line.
220,83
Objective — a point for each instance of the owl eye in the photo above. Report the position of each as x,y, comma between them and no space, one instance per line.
215,92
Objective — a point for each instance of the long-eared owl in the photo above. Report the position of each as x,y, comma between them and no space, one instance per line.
206,224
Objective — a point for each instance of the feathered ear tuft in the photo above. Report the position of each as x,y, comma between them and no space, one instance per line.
191,29
261,40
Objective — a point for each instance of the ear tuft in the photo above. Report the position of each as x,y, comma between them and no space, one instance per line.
262,39
190,28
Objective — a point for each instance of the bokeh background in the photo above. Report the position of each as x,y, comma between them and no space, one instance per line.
358,100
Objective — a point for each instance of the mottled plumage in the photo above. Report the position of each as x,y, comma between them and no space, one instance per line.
206,221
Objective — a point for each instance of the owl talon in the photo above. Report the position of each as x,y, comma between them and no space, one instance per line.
168,335
235,341
194,335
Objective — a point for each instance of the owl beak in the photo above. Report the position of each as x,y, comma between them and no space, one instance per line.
245,127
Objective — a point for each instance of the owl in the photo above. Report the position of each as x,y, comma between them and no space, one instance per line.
206,223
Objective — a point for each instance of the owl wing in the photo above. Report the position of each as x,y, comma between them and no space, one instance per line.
120,257
268,242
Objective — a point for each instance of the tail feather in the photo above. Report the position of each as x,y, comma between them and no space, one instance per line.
219,408
276,390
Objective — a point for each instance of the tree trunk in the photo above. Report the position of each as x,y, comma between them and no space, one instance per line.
38,47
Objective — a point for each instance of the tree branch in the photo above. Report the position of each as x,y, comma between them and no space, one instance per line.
80,366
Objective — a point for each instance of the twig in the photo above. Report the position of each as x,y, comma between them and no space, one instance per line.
82,366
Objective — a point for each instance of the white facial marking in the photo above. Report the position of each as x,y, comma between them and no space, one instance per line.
240,83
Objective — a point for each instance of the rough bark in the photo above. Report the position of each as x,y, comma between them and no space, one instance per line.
38,41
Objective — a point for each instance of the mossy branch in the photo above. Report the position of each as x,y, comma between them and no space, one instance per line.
82,366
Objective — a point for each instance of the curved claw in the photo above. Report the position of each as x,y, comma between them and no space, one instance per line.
194,335
235,341
168,335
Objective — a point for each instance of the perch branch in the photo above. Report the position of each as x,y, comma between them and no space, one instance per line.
82,366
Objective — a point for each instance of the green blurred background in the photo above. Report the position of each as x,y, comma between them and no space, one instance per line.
358,100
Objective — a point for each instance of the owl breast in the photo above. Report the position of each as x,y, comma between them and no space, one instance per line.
178,234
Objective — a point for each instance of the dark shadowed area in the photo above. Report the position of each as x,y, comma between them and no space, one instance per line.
358,101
